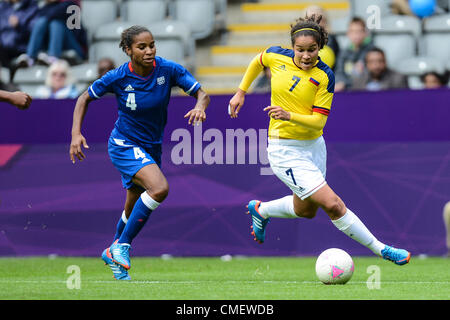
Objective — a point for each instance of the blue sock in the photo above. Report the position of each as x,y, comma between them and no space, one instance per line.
139,216
120,226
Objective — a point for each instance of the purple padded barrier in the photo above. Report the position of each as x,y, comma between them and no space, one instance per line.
388,159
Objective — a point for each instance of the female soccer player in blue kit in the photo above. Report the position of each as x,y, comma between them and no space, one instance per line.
302,88
142,87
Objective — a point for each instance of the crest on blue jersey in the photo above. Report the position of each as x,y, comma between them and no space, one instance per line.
160,80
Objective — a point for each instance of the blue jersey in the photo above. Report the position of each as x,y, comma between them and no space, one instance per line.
143,101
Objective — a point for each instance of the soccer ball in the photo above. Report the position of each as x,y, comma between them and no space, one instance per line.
334,266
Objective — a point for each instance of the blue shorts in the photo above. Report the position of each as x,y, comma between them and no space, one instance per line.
129,158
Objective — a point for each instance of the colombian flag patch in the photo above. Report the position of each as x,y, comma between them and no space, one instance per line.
314,81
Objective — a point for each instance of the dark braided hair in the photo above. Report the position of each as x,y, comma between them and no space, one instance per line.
309,22
127,37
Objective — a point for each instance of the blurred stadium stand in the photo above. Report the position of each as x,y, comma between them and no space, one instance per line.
31,78
415,66
85,74
254,26
4,74
216,39
143,12
436,39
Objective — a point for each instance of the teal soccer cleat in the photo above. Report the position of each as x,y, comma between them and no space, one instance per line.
119,272
121,254
398,256
258,222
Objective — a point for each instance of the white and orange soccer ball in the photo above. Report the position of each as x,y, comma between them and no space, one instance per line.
334,266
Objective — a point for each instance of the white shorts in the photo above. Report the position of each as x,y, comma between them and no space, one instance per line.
300,164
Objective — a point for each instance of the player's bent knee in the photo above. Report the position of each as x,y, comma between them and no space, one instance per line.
335,208
160,193
307,214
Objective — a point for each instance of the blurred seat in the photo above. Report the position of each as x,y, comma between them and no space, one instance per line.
111,31
35,74
398,36
360,8
436,45
85,74
106,43
400,24
414,67
95,13
436,39
107,49
396,47
199,15
437,23
174,42
143,12
4,74
29,79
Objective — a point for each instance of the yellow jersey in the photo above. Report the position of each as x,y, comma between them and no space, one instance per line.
298,91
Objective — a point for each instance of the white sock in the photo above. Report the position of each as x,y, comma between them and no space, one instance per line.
124,217
279,208
355,229
148,201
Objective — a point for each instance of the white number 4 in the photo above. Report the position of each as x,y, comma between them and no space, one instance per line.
131,101
138,153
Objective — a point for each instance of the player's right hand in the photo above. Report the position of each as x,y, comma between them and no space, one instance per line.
20,99
75,147
236,103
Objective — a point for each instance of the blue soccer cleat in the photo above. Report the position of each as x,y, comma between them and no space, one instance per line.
398,256
119,272
121,254
258,222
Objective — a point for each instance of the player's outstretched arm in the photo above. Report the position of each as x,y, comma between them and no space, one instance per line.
198,114
18,98
77,138
237,101
315,121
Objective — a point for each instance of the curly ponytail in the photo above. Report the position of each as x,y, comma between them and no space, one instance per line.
309,26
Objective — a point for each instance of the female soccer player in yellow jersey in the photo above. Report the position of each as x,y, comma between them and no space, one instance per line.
302,88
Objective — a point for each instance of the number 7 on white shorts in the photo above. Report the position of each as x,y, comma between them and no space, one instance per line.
289,172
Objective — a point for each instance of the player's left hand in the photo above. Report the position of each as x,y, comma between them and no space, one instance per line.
195,116
278,113
75,147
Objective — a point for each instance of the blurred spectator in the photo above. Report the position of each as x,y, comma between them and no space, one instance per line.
377,75
104,65
433,80
350,61
50,26
263,84
16,18
330,51
59,83
401,7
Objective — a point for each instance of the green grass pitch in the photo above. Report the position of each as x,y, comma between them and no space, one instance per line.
211,278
